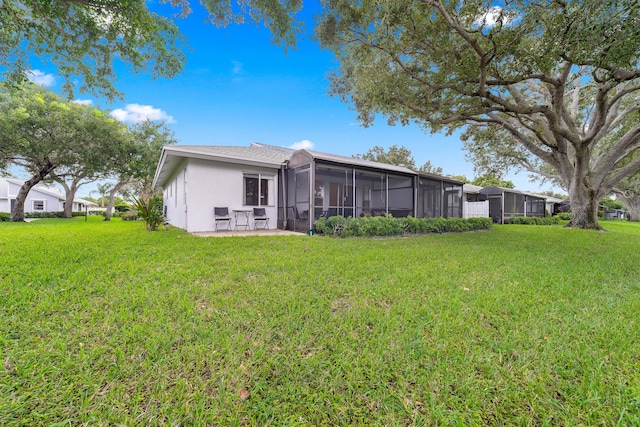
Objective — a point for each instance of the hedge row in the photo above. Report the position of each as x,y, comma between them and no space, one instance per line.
529,220
6,217
390,226
56,214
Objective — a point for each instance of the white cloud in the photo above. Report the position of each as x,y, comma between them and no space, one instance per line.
41,78
237,71
491,17
135,113
305,144
83,101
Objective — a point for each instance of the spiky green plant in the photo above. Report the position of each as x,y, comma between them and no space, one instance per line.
150,211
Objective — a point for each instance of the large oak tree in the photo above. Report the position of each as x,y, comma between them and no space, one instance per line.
42,132
550,80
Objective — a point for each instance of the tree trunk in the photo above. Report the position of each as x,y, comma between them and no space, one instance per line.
69,191
112,195
70,194
631,200
17,215
584,207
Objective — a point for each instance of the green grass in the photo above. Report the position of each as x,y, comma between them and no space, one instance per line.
108,324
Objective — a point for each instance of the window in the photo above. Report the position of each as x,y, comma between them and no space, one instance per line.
257,190
38,205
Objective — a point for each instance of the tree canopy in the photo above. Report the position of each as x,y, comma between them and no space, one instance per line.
429,168
84,38
488,180
395,155
549,80
42,132
137,170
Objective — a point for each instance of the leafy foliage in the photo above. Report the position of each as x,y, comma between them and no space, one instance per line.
530,220
429,168
489,180
387,225
533,83
85,38
135,173
44,133
395,155
150,210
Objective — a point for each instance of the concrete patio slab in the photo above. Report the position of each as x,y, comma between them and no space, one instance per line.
241,233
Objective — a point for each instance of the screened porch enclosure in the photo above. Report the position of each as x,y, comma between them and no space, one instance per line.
439,198
509,203
325,187
318,189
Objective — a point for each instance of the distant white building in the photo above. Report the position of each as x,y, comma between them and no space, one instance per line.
39,199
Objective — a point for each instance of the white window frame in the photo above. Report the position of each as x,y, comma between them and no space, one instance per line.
270,178
44,205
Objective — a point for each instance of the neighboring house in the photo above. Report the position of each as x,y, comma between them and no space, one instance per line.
505,203
615,213
553,205
476,204
39,199
294,187
80,205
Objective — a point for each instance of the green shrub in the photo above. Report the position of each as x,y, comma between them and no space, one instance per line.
389,226
564,216
527,220
5,217
150,211
121,207
128,216
56,214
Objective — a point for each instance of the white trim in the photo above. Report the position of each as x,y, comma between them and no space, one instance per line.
44,205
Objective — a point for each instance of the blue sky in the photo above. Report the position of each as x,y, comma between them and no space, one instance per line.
239,88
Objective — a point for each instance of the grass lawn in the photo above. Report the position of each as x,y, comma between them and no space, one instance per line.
107,324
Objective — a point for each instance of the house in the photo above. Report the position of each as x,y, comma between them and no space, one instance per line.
295,187
39,199
505,203
615,213
80,205
554,205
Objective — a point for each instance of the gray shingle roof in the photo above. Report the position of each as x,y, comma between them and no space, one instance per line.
255,152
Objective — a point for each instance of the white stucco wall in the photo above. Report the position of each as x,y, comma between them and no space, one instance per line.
215,184
175,197
51,203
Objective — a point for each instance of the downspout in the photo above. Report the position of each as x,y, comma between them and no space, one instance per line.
284,198
312,199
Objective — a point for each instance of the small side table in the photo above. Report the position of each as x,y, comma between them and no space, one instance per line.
238,213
